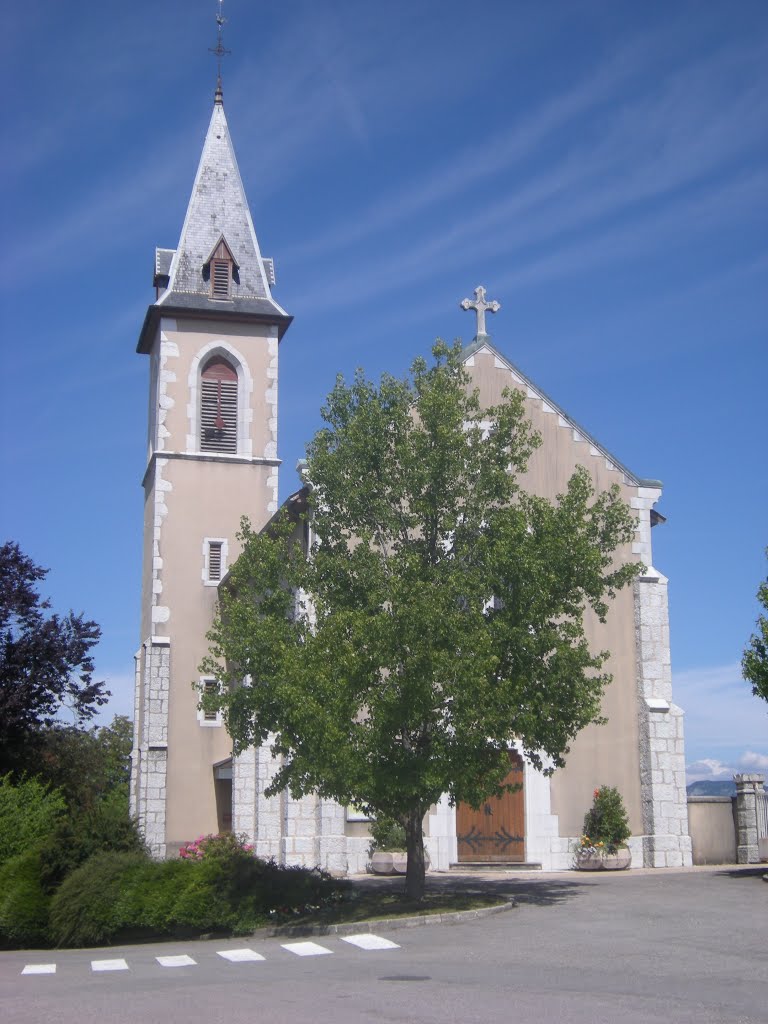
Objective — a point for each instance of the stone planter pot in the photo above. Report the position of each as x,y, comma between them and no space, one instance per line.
392,862
588,861
618,861
386,862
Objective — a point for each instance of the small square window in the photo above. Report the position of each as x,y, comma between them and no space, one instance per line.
205,716
215,550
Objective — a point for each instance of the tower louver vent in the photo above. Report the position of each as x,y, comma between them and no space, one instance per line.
214,560
220,275
218,408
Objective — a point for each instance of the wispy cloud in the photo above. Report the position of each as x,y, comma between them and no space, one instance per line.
645,145
620,190
724,722
709,768
752,761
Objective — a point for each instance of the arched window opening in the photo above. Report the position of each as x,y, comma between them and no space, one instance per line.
218,407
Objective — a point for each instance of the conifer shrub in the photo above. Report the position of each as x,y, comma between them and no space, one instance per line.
606,824
23,902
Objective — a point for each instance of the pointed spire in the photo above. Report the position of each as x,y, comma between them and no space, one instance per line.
218,212
217,270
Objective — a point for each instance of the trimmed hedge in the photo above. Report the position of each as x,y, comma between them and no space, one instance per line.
84,911
120,896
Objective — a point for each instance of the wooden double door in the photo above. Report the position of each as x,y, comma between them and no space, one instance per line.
496,831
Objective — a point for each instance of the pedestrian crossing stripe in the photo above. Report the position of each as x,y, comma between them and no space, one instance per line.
237,956
364,941
109,965
368,941
306,948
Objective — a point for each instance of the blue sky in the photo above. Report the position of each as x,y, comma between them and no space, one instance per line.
599,166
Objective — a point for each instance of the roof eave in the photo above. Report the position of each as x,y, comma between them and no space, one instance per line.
484,341
155,313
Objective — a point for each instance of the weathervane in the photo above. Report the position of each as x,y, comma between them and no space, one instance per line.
219,51
480,306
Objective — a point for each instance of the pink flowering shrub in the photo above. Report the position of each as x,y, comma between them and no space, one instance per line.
224,844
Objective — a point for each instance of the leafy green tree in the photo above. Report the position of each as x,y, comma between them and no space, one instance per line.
85,764
45,659
446,610
29,813
754,663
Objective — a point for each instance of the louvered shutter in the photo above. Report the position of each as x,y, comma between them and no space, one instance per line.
214,560
218,407
220,276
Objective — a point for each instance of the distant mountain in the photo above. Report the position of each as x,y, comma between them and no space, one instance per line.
712,787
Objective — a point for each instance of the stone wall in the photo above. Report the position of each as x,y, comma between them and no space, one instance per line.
666,841
712,821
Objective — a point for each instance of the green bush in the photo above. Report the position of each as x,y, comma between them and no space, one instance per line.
29,813
124,895
85,911
106,827
606,821
149,896
23,902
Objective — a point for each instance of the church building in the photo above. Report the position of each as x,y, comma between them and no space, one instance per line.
212,336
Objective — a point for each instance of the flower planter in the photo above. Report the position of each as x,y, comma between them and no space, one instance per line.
618,861
593,860
588,862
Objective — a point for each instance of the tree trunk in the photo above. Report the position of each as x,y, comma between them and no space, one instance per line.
414,844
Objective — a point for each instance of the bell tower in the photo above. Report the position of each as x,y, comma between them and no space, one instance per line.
212,338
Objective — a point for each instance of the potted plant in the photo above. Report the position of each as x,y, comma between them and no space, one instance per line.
603,843
387,849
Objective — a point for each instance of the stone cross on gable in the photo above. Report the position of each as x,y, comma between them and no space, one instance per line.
480,306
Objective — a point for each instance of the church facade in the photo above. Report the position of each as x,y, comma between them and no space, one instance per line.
212,337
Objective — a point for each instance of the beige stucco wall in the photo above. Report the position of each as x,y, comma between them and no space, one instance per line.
606,754
712,829
199,496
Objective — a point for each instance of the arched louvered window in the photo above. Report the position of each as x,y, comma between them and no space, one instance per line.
218,407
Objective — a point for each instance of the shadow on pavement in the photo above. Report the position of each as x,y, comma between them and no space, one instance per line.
758,871
536,891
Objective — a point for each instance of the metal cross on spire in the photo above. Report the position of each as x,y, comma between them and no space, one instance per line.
480,306
219,51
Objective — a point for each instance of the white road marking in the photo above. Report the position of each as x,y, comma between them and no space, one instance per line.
305,948
109,965
368,941
39,969
238,956
176,961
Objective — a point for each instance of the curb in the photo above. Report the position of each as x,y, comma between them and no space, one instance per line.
389,923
